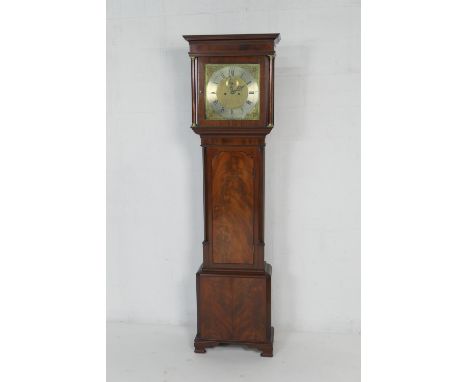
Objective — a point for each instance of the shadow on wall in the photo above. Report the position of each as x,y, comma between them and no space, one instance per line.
291,100
179,93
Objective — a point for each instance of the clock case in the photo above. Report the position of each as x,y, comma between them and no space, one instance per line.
234,282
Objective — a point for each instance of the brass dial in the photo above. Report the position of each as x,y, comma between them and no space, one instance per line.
232,91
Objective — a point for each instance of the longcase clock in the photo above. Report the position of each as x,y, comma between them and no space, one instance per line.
232,111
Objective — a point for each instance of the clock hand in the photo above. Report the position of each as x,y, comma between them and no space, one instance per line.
231,86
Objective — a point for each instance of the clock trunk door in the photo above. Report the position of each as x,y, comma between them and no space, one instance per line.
232,208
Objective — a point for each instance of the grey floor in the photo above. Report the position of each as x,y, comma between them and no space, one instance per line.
165,354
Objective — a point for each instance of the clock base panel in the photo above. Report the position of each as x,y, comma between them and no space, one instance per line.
234,307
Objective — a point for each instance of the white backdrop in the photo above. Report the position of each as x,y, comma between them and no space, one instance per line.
154,186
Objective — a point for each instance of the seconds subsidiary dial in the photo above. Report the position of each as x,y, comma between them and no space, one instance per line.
232,91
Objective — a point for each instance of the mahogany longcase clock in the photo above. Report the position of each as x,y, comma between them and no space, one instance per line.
232,111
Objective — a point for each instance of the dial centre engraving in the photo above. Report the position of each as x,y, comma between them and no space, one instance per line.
232,92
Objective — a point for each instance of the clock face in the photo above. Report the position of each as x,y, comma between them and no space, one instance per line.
232,91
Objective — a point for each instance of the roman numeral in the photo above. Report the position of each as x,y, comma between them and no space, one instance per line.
249,102
231,72
251,92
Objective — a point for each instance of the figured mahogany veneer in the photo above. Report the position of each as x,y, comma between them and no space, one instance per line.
232,193
234,281
234,308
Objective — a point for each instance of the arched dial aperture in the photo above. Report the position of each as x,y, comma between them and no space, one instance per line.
232,92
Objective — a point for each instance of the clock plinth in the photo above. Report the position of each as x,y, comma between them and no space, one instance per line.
232,111
234,308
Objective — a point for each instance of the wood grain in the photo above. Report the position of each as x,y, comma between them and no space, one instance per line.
232,195
216,307
233,307
249,309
